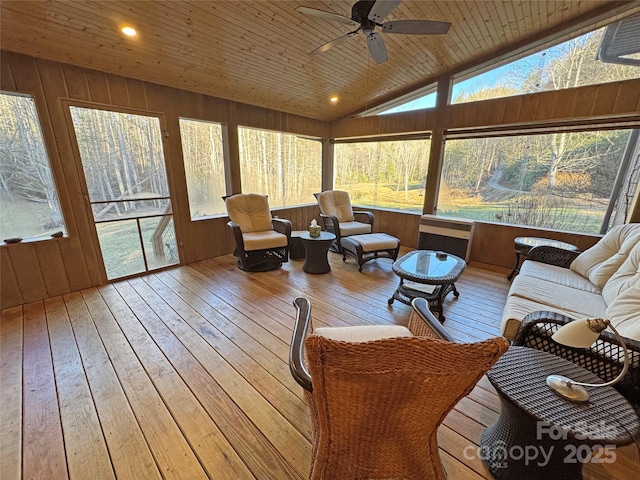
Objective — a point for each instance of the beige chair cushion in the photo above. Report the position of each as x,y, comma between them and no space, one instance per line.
627,275
354,228
263,240
601,261
375,241
338,204
363,333
250,211
624,312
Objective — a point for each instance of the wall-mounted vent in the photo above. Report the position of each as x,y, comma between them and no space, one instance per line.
451,235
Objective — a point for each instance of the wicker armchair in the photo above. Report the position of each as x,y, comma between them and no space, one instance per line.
604,357
552,256
377,394
340,219
262,242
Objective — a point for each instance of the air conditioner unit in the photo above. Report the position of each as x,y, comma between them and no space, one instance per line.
451,235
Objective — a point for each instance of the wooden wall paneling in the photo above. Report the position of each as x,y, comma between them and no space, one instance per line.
41,417
53,267
583,101
84,262
483,110
546,105
98,87
563,103
137,94
628,98
11,393
528,107
28,272
496,111
11,294
512,109
605,99
6,75
78,278
77,83
118,93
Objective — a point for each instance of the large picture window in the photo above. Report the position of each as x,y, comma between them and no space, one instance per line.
389,174
285,167
204,167
28,197
574,181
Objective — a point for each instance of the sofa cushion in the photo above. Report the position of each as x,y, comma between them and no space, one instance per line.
601,261
363,333
250,211
516,308
627,275
560,275
624,312
336,203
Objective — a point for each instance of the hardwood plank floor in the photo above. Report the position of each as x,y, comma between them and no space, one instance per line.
184,374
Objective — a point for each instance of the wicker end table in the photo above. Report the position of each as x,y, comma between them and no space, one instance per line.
316,249
540,434
522,246
427,274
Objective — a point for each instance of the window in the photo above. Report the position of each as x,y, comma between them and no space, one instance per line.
563,180
28,199
570,64
389,174
204,167
285,167
426,101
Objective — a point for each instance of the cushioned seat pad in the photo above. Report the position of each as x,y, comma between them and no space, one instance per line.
374,241
263,240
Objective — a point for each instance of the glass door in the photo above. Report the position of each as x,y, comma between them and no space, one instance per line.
123,162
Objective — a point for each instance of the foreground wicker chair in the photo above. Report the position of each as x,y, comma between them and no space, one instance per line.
604,357
262,242
377,394
339,217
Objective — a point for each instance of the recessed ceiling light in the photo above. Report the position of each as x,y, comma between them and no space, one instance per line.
333,98
130,32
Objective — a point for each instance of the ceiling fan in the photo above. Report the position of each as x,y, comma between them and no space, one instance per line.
369,14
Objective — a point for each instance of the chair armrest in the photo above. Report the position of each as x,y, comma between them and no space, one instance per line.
296,350
282,225
552,256
237,234
604,358
423,323
331,224
364,217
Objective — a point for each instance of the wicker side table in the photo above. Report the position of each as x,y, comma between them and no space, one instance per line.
316,249
540,434
522,246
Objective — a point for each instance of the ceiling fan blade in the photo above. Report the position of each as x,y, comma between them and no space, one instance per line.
326,15
381,9
377,48
333,43
416,27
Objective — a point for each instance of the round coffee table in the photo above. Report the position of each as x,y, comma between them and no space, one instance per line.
316,249
540,434
427,274
524,244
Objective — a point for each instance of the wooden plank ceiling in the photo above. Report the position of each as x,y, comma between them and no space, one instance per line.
257,52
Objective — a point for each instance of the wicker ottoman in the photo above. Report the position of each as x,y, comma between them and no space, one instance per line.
369,246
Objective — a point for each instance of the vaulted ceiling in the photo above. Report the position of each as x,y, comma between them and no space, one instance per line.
257,52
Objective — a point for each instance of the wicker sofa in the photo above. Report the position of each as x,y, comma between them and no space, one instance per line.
603,281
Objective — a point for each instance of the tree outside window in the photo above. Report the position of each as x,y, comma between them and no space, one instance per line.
29,205
285,167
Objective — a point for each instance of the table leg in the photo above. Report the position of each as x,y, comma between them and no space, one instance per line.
512,449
